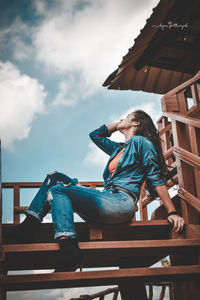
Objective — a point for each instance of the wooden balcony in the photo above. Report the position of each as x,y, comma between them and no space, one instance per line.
132,247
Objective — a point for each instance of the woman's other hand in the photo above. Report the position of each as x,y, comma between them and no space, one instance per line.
177,221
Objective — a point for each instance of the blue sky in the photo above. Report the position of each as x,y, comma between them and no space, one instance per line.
54,57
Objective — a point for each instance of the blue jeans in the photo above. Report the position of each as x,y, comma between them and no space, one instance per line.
60,193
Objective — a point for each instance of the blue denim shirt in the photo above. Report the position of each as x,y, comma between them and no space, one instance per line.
138,161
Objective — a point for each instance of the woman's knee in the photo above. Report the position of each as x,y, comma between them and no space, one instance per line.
53,177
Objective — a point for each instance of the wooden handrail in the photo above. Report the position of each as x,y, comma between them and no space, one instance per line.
174,245
188,157
183,86
183,119
164,130
39,183
189,198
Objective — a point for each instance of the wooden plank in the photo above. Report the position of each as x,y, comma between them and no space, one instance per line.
194,111
107,245
98,254
147,223
192,231
189,199
195,93
169,153
150,230
188,157
182,102
94,278
96,234
166,145
165,129
38,184
183,119
195,148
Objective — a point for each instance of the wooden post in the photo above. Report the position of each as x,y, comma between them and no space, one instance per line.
16,203
195,93
2,291
143,210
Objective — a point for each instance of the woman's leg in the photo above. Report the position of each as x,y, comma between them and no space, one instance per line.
39,206
106,207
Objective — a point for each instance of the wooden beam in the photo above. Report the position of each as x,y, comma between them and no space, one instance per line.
182,102
195,93
188,157
136,246
165,129
189,199
38,184
94,278
195,148
183,119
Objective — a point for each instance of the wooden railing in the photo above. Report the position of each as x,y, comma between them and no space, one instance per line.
180,127
16,187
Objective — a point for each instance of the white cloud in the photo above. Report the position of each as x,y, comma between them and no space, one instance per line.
86,40
97,157
65,89
82,41
16,39
22,98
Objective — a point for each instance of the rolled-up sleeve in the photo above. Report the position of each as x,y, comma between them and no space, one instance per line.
99,137
150,163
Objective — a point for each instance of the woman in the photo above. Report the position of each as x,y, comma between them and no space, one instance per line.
139,158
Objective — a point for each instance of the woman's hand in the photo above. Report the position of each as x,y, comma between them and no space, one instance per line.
177,221
113,127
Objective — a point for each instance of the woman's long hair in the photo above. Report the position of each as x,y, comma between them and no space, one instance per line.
147,129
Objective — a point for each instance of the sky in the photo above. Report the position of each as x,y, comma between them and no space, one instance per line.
54,57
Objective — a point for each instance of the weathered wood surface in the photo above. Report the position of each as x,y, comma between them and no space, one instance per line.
136,230
134,246
185,122
94,278
99,254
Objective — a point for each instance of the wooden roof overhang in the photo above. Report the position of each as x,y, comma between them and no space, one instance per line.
162,58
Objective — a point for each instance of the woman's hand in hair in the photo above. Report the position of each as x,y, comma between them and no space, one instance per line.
113,127
177,221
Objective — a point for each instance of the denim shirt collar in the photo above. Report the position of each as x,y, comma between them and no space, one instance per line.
129,141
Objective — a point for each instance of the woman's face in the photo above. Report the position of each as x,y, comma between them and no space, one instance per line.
128,122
